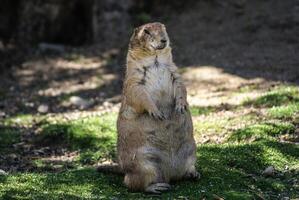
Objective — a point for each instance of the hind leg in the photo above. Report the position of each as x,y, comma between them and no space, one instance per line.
187,152
148,179
192,173
147,176
139,182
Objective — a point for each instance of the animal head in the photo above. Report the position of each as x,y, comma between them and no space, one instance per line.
151,38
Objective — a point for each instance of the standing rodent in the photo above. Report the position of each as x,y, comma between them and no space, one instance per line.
155,133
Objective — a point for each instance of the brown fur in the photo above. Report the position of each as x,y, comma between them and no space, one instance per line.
155,132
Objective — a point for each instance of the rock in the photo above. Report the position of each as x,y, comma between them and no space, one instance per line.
12,156
38,152
205,140
80,102
269,171
51,47
3,173
216,197
107,104
29,104
43,108
18,145
2,114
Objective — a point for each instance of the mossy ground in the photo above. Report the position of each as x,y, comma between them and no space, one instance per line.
231,167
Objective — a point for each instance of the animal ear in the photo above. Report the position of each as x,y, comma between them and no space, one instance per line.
133,39
136,31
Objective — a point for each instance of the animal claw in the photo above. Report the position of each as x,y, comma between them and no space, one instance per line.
181,109
157,188
158,115
193,175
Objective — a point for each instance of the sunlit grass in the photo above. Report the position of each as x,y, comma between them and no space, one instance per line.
21,119
261,131
231,169
196,110
279,96
285,111
95,137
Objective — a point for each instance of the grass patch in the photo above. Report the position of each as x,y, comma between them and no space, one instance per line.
285,111
94,137
232,170
21,119
210,127
277,97
200,110
248,88
261,131
225,169
8,137
214,125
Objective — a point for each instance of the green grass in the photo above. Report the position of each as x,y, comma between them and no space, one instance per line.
227,170
8,137
232,169
198,110
95,137
21,119
279,96
261,131
285,111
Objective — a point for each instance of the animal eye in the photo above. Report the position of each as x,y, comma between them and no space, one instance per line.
147,32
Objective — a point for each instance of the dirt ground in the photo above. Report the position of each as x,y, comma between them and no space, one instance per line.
219,46
226,53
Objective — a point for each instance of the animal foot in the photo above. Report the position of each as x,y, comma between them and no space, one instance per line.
192,175
158,188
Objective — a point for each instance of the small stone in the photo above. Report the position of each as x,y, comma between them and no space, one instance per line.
206,140
39,151
12,88
286,167
18,145
3,173
269,171
43,108
216,197
107,104
12,156
51,47
80,102
29,104
2,114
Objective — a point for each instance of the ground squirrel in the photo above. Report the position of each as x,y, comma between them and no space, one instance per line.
155,133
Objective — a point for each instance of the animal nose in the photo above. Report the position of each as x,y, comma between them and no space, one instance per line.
163,41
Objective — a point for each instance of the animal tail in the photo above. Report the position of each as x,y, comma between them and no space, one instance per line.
110,168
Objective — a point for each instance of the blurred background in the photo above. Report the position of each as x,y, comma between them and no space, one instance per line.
62,64
53,50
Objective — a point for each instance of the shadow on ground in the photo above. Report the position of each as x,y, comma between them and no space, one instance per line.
229,171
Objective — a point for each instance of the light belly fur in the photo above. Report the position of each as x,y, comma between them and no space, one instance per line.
164,138
159,85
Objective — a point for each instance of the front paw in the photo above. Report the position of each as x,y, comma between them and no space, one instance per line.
156,114
181,106
194,175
